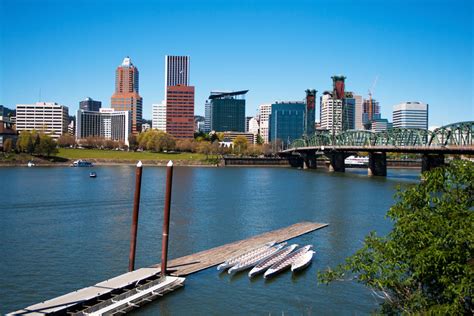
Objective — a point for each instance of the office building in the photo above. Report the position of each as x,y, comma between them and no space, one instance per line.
158,119
410,115
331,113
310,112
230,136
348,112
379,125
48,117
179,97
90,105
358,111
107,124
371,112
126,96
145,127
228,111
287,121
264,112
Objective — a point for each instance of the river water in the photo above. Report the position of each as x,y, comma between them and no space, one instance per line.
61,230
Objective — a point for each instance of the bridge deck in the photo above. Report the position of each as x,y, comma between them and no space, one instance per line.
178,267
463,150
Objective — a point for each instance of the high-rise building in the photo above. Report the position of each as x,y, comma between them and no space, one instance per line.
287,121
358,111
158,120
410,115
254,126
176,71
310,112
126,96
264,112
207,116
348,112
48,117
107,123
90,105
371,111
179,97
228,111
379,125
331,113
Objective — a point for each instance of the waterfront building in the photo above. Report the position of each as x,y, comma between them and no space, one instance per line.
410,115
358,112
48,117
264,112
379,125
7,130
90,105
337,112
287,121
126,96
229,137
254,126
348,112
107,123
158,120
310,112
228,111
71,130
179,97
145,127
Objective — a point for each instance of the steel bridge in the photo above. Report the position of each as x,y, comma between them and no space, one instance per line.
455,139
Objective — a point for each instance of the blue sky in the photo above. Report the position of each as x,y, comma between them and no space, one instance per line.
420,50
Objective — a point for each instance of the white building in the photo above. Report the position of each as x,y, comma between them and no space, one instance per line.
108,123
359,109
331,113
207,116
145,127
254,126
159,116
410,115
264,112
48,117
379,125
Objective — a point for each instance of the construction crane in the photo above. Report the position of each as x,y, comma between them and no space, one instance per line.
371,107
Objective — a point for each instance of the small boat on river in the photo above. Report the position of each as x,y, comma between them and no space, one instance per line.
244,256
82,163
303,261
268,262
250,262
286,262
92,175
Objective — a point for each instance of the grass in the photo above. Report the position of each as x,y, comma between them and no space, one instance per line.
125,155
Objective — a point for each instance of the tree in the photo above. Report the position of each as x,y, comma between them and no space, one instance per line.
25,142
240,144
132,142
204,148
259,139
46,146
7,145
425,264
66,140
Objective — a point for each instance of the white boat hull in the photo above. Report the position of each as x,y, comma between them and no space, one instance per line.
245,256
303,262
265,264
286,262
245,264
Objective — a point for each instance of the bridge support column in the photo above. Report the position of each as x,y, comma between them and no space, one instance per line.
336,161
377,164
430,161
309,161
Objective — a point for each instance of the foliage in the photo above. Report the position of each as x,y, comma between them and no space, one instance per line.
240,144
132,142
156,140
201,136
186,145
425,264
259,139
36,143
26,141
8,145
46,146
66,140
101,143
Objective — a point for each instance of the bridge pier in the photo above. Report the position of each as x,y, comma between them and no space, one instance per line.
377,164
309,161
336,161
430,161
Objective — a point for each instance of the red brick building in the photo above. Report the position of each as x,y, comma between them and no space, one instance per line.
180,111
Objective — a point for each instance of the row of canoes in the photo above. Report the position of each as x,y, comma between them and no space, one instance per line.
270,258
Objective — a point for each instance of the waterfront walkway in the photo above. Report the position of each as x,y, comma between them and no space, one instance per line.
76,302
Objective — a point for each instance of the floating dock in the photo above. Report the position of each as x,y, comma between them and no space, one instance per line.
133,289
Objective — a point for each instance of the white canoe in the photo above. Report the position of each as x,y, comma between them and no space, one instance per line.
250,262
235,260
303,261
287,261
268,262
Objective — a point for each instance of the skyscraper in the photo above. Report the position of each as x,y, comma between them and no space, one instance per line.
48,117
264,112
126,96
287,121
159,116
90,105
410,115
179,97
228,111
331,113
358,110
310,112
371,112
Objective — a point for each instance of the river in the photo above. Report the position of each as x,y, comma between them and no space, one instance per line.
61,230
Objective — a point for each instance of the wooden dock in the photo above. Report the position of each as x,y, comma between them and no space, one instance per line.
212,257
75,303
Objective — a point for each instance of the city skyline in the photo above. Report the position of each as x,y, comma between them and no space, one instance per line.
422,55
